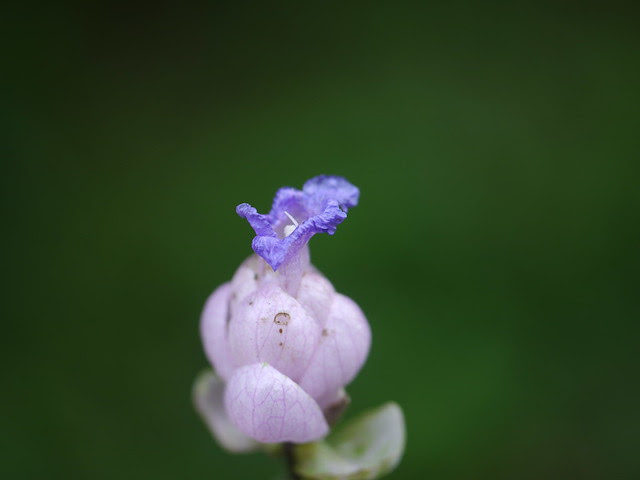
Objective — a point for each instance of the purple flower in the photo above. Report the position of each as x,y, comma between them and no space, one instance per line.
296,216
279,336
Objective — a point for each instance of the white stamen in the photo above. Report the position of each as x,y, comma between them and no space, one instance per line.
288,229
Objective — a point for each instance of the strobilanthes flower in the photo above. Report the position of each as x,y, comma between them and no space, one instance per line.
281,340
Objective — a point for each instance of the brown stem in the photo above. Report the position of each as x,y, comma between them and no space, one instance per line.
290,460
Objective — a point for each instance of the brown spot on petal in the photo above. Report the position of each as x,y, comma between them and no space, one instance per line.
325,332
282,318
280,330
280,344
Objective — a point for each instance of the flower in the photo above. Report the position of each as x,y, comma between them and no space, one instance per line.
319,207
282,341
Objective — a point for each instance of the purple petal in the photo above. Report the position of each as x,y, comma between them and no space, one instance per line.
261,224
337,188
290,200
270,407
319,208
271,326
342,350
213,328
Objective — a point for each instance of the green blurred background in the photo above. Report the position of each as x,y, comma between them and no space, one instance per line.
494,250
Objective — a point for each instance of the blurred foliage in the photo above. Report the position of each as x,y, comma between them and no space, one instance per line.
495,248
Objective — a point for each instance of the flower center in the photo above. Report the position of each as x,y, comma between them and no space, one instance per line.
288,229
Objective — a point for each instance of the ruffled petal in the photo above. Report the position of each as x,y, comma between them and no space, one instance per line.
319,208
336,188
261,224
270,407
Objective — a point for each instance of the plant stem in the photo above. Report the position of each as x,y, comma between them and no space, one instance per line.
290,460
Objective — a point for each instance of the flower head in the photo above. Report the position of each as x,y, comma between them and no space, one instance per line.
297,215
279,336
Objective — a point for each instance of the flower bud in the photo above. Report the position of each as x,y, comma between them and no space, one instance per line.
284,341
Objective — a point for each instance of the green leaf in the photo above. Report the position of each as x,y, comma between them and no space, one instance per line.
367,448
